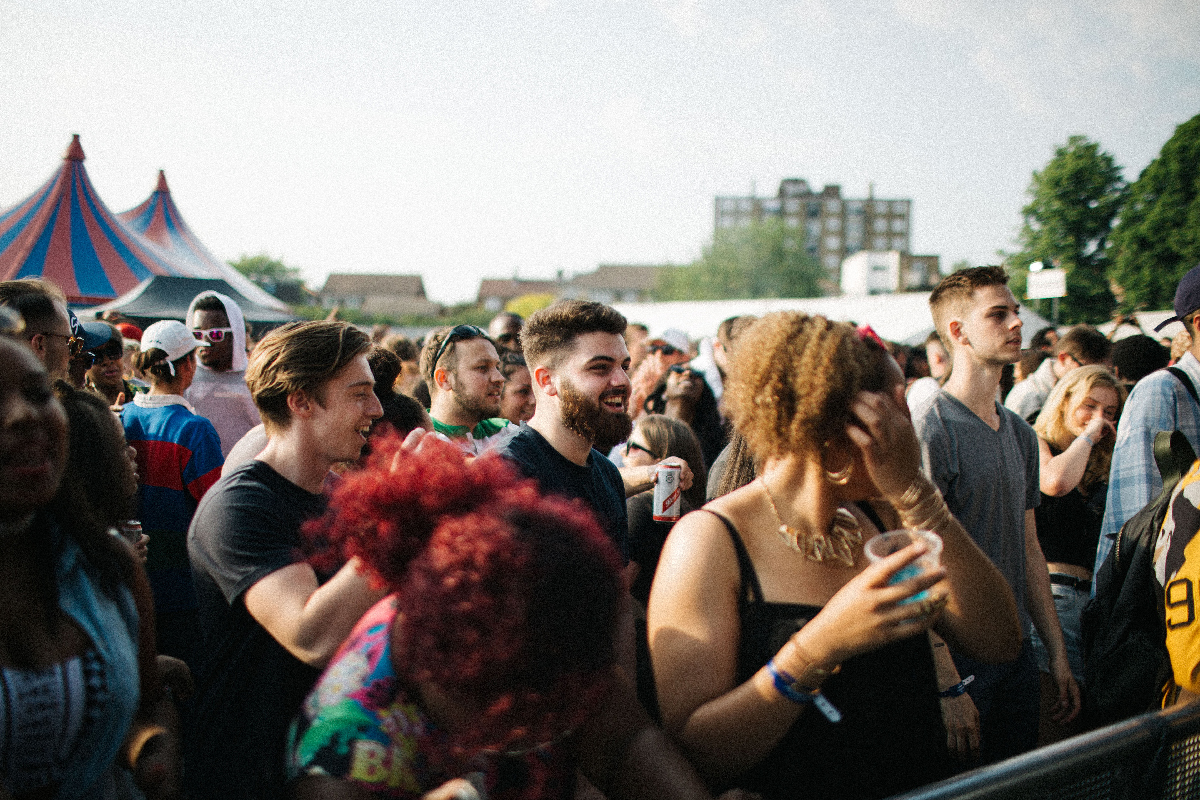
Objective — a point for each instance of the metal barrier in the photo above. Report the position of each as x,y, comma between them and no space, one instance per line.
1153,756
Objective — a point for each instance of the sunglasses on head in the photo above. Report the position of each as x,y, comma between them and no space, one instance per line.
212,335
457,334
112,350
665,349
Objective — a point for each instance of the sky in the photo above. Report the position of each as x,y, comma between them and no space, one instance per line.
477,139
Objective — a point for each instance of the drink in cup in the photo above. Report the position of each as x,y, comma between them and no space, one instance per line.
885,544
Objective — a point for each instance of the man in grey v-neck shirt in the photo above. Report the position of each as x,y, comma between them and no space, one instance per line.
984,459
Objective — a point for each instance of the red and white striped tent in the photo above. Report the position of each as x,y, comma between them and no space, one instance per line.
65,234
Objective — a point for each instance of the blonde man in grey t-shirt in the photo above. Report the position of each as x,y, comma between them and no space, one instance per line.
984,459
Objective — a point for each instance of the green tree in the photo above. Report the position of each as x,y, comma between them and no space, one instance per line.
766,259
1158,237
267,272
1073,202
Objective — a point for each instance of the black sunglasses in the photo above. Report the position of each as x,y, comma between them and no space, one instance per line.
665,349
632,445
683,369
458,334
111,350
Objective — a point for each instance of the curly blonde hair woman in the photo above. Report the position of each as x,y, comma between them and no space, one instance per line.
784,664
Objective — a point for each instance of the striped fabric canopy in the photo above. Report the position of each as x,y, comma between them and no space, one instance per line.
158,219
65,234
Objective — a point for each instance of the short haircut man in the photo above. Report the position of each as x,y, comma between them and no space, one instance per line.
984,459
47,323
505,330
219,389
270,622
576,354
1159,402
461,367
1080,346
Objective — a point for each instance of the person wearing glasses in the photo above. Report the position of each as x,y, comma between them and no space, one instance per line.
48,328
219,390
179,459
461,367
668,348
106,376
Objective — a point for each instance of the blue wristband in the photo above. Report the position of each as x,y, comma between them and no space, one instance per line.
958,689
787,686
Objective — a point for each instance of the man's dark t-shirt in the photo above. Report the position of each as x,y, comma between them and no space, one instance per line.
598,484
249,687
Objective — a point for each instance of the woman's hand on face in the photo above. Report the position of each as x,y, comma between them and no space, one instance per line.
883,432
1098,427
867,612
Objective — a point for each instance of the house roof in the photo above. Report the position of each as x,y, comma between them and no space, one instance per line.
359,285
508,288
620,276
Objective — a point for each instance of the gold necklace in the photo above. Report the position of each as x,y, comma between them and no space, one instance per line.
845,532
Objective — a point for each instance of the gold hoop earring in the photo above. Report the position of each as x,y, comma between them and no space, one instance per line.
839,477
842,476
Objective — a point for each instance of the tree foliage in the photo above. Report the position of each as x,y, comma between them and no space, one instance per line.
526,304
1073,202
267,272
766,259
1158,237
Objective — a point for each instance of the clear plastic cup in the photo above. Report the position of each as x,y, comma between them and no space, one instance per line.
885,544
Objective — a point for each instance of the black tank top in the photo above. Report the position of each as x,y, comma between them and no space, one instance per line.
891,737
1068,527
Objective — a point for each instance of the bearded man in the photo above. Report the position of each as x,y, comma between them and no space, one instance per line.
578,360
461,367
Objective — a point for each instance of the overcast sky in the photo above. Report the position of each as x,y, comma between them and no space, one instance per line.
481,139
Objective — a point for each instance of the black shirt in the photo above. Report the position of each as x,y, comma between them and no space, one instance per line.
598,483
249,686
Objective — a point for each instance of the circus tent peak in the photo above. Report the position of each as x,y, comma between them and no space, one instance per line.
65,234
158,220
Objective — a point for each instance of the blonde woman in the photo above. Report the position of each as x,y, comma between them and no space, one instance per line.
784,664
1076,430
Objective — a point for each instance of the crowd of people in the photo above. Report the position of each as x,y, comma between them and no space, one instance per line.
336,564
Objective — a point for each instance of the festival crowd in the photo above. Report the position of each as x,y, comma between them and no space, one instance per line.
333,564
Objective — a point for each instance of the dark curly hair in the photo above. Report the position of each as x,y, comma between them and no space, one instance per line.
795,376
503,595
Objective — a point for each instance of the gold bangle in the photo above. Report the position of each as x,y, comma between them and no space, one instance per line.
138,743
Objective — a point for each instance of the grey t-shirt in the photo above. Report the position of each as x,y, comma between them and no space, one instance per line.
989,479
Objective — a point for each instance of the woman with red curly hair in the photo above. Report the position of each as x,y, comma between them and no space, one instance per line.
493,657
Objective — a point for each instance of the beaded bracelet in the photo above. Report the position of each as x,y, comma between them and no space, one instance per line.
787,686
958,689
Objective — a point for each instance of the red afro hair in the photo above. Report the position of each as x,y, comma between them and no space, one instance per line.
503,594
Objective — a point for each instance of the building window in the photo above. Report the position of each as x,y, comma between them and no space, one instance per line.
854,207
813,210
792,222
813,229
833,206
833,243
879,243
832,261
899,243
791,205
879,225
899,225
833,224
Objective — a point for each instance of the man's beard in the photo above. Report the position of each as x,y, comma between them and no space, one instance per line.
589,419
479,407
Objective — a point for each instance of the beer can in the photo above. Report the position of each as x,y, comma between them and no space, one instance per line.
131,529
667,492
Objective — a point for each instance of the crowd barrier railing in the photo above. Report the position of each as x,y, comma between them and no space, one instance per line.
1152,757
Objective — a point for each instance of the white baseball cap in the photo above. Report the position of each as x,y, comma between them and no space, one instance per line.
170,336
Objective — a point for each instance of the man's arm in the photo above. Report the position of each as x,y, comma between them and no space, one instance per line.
310,620
1133,478
1040,602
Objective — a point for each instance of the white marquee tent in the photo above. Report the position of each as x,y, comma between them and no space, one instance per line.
902,317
